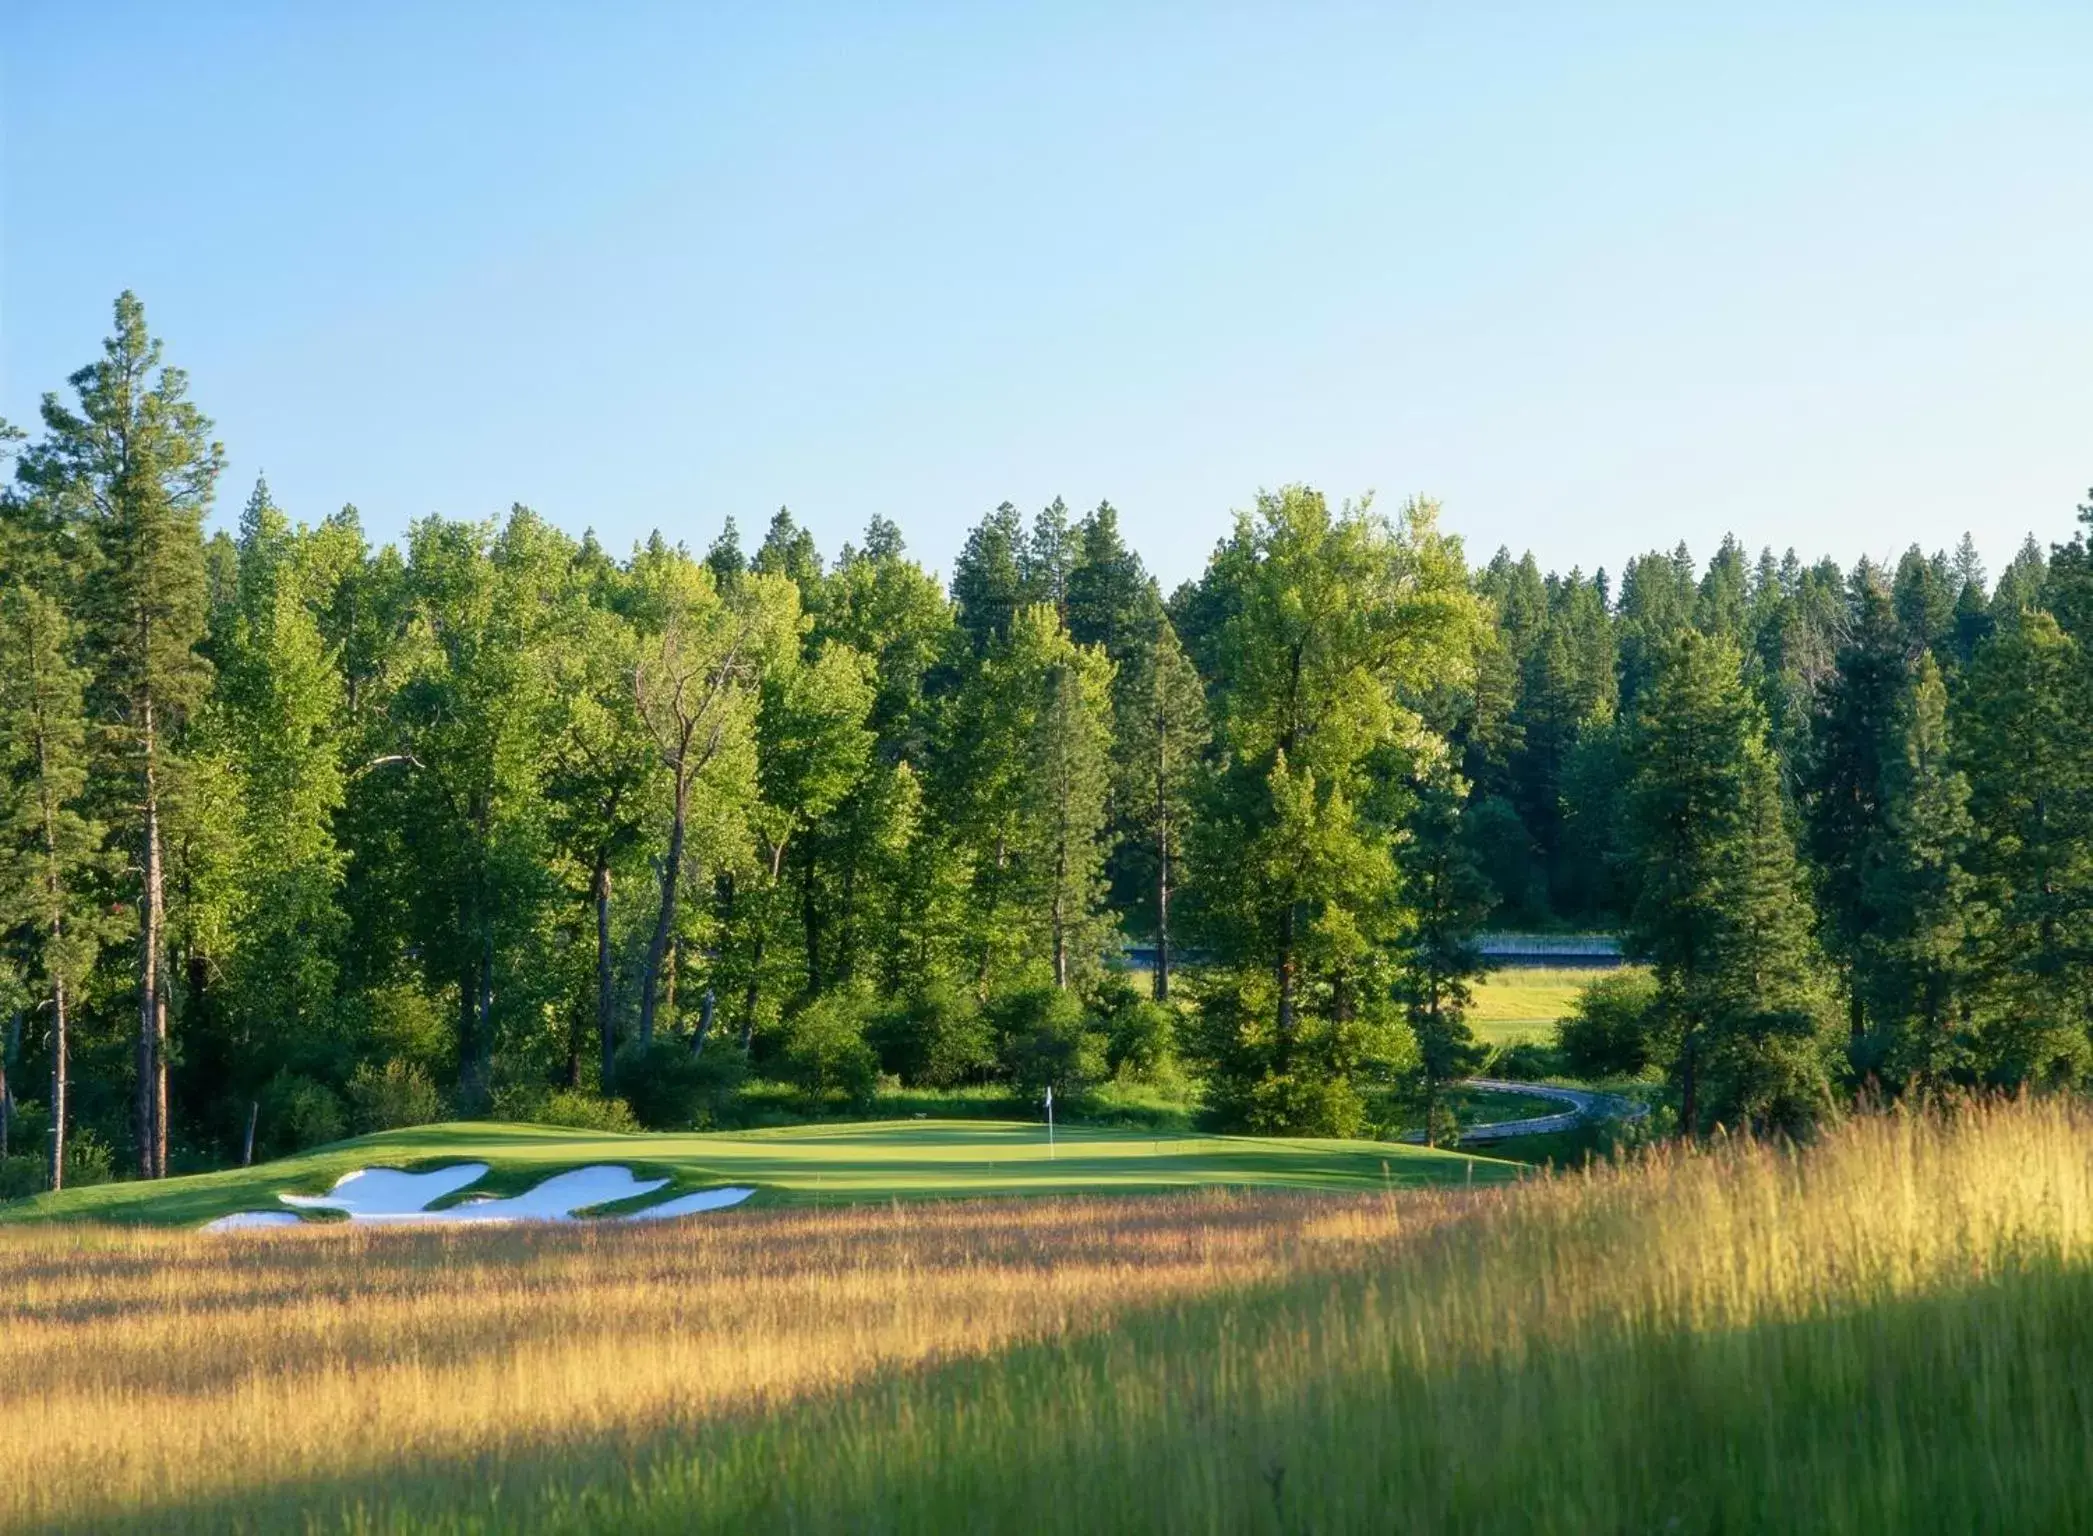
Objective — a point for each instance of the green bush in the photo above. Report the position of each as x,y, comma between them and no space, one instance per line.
670,1089
88,1159
1609,1032
21,1173
586,1111
1526,1061
936,1039
1047,1042
1140,1037
826,1055
296,1113
1305,1104
394,1095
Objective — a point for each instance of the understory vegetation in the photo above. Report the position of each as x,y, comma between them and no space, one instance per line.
303,836
1887,1330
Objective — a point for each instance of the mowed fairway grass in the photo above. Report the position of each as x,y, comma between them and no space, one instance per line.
809,1165
1889,1331
1515,1004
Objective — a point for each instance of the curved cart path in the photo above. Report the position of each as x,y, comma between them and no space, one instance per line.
1578,1104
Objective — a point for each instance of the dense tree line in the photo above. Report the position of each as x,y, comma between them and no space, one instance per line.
299,835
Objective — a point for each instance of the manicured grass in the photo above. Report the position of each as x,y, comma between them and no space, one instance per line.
1513,1004
802,1165
1888,1331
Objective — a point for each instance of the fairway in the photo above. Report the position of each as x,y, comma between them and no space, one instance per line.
808,1165
1517,1004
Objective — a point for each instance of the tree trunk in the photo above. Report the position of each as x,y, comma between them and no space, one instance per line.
1689,1086
145,1112
1285,977
1060,915
483,1033
751,994
59,1046
810,919
7,1093
665,918
254,1114
1162,974
606,1022
705,1006
160,1083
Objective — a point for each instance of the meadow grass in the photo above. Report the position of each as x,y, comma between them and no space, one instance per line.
1517,1003
828,1164
1890,1331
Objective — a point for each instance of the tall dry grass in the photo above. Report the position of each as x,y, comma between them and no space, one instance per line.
152,1370
1891,1331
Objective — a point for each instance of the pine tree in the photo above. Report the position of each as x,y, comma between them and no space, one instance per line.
1919,974
1162,735
135,467
1718,909
1068,782
988,582
48,848
1843,794
2021,739
1111,601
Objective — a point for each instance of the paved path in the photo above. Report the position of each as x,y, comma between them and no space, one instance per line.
1578,1104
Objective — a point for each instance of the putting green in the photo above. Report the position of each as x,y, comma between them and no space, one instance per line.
803,1165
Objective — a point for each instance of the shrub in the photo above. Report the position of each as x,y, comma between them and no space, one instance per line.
1608,1034
1304,1104
394,1095
826,1055
88,1159
1526,1061
936,1039
296,1113
586,1111
21,1173
1139,1038
1047,1042
670,1089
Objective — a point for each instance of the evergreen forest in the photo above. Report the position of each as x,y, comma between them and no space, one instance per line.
302,836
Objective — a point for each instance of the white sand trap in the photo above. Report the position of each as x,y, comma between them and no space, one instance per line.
240,1219
388,1195
378,1194
557,1199
690,1205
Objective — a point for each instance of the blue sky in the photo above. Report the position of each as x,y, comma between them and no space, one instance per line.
1597,278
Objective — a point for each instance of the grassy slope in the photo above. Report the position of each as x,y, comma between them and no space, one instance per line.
828,1164
1513,1005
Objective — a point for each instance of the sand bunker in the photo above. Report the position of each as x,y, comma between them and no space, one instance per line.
392,1197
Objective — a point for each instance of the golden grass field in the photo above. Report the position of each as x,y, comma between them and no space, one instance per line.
1891,1331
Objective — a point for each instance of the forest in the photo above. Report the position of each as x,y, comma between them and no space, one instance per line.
302,836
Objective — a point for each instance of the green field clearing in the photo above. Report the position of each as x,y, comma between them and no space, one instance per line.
803,1165
1514,1005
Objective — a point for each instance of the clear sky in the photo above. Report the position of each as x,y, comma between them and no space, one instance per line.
1597,278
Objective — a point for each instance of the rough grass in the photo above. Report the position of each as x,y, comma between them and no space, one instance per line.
1517,1004
1892,1331
801,1165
